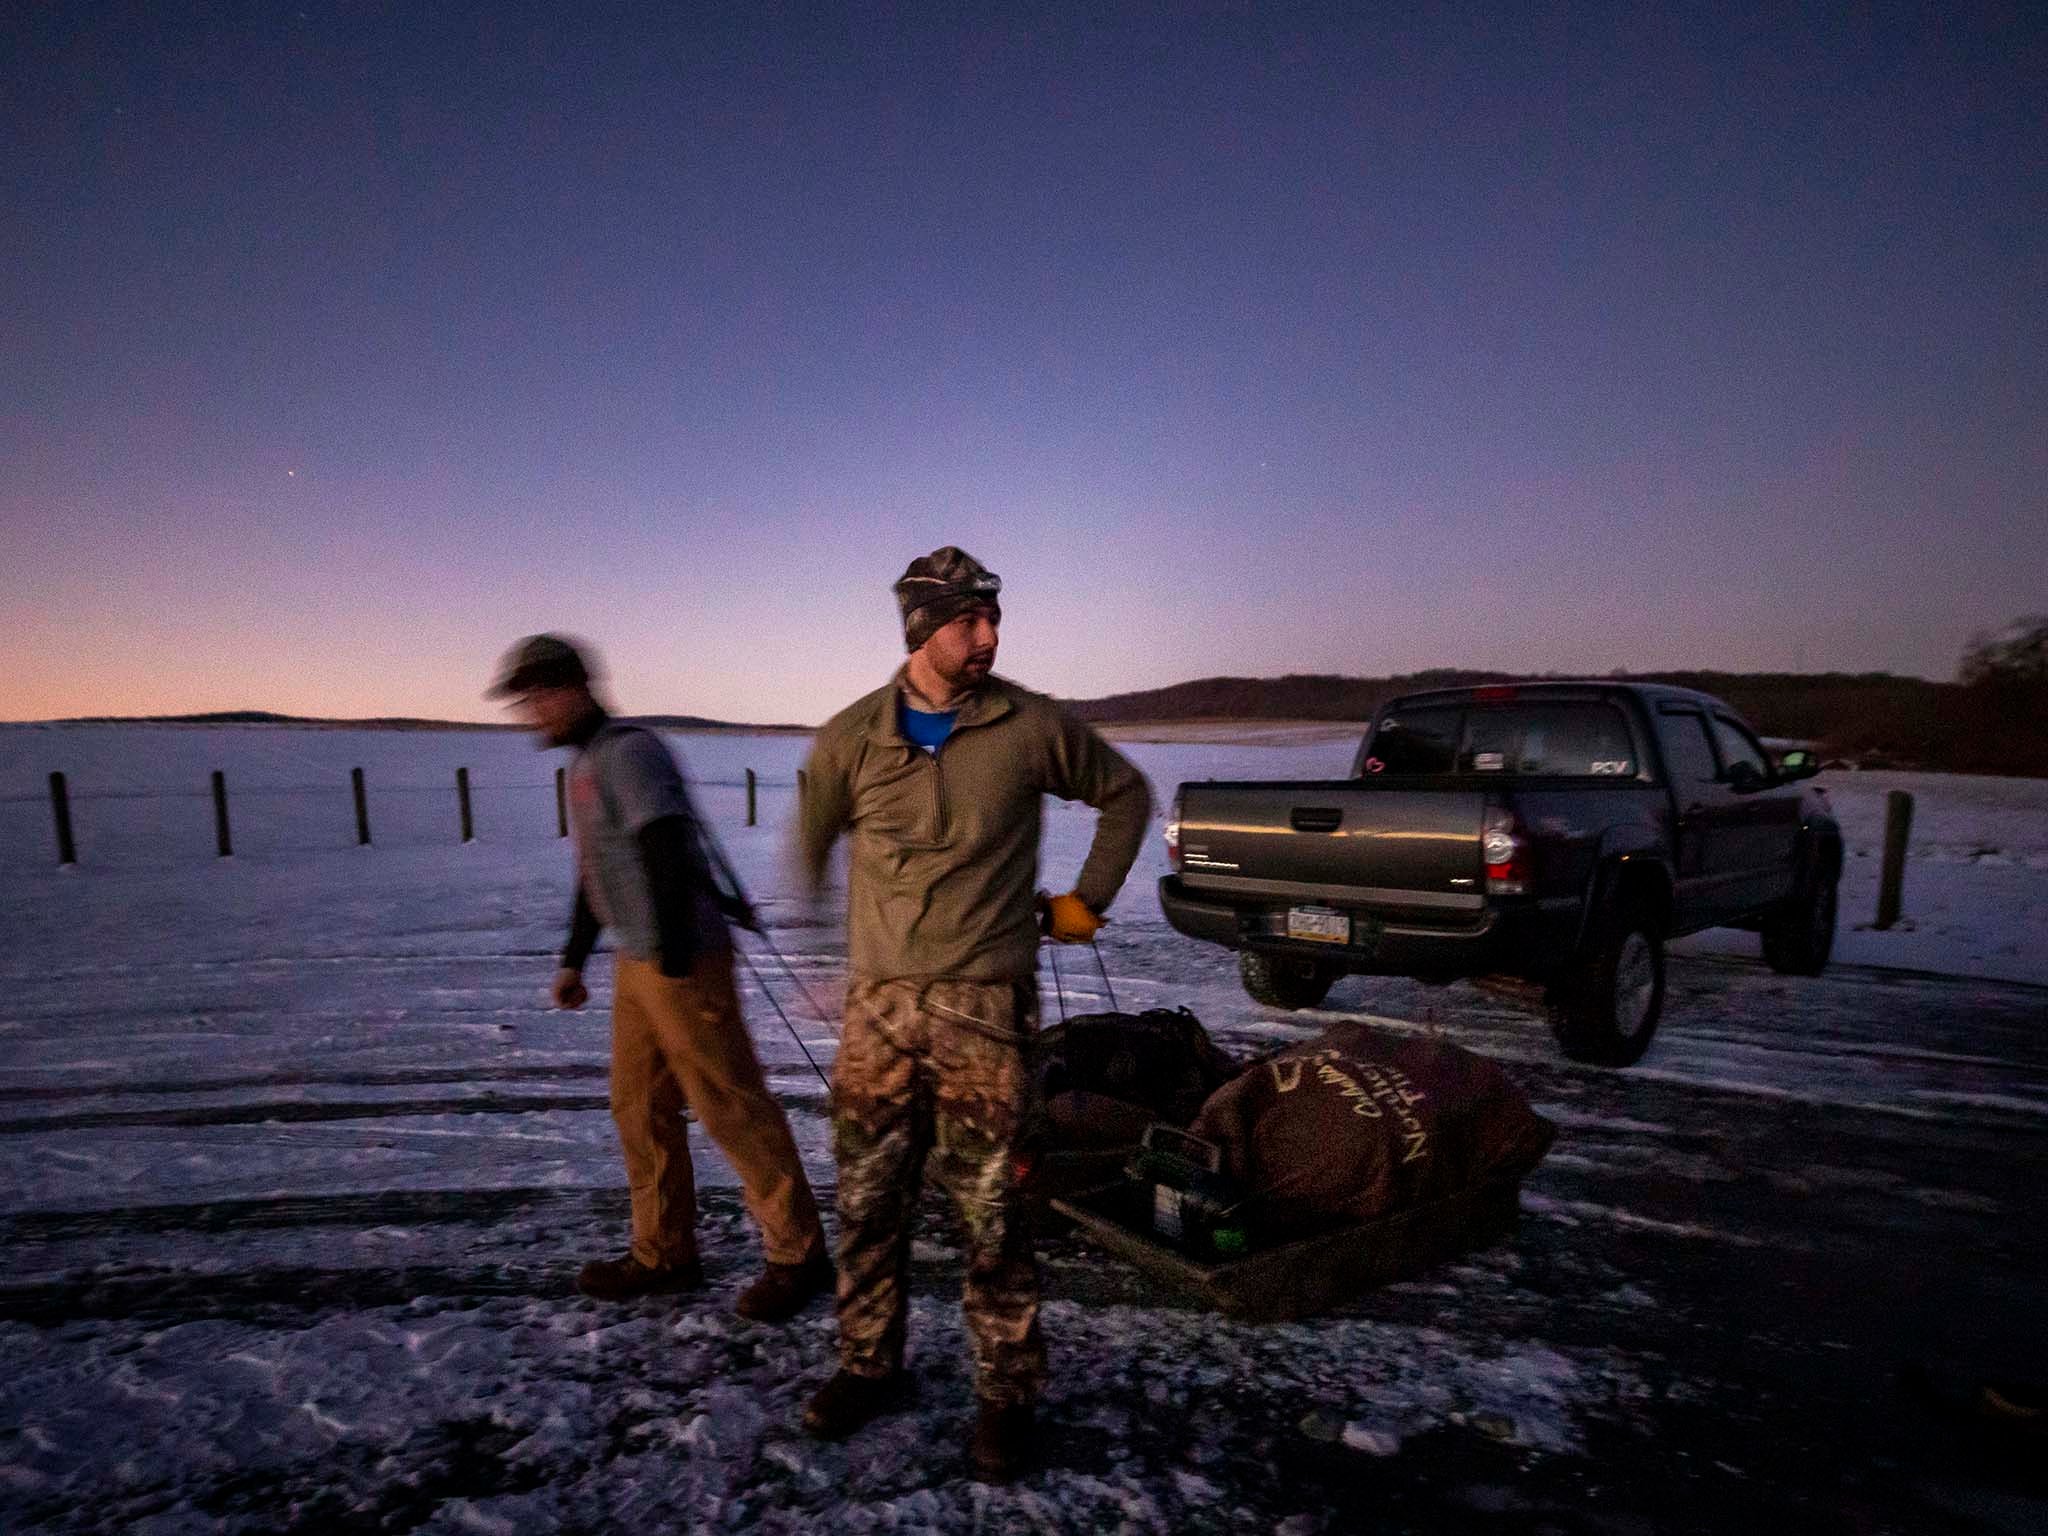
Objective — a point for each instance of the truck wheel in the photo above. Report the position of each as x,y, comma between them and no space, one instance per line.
1607,1011
1800,935
1283,982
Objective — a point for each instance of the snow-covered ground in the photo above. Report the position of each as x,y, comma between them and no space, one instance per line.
295,1168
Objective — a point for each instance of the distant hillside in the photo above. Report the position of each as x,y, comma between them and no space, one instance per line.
1871,717
398,722
1299,696
271,717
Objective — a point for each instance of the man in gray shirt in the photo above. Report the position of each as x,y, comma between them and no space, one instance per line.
678,1038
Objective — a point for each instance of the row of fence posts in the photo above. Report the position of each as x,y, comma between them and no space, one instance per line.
1898,826
67,844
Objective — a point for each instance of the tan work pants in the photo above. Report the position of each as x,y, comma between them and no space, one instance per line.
680,1041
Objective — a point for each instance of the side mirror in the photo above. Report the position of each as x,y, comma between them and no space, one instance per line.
1798,764
1744,778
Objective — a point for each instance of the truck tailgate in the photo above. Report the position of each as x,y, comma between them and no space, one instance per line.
1381,844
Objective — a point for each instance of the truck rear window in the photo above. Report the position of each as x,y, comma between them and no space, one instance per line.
1575,738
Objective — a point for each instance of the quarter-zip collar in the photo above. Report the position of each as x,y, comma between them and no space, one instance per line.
989,702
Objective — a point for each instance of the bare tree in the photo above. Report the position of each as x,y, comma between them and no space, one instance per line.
2013,659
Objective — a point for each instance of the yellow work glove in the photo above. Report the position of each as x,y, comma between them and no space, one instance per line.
1069,920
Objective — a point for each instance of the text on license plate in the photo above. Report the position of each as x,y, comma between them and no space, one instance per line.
1322,925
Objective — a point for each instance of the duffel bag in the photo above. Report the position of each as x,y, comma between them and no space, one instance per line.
1080,1121
1362,1122
1161,1060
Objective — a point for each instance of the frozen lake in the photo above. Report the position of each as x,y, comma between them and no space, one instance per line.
1976,889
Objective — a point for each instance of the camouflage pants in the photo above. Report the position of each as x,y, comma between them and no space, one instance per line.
938,1068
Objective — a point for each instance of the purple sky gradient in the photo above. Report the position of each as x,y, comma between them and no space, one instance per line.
342,348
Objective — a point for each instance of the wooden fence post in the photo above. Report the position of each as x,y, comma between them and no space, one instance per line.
462,794
750,797
1898,828
561,802
60,807
355,779
220,814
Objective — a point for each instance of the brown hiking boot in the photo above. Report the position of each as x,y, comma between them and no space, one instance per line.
847,1401
784,1289
625,1277
1002,1443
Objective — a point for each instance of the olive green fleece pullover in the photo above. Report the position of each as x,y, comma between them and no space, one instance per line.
943,860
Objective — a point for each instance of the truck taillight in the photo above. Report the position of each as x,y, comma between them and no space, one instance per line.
1173,833
1506,852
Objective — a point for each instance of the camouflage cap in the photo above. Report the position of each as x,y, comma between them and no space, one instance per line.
540,661
937,588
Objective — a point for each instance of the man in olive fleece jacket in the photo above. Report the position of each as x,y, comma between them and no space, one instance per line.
678,1037
937,781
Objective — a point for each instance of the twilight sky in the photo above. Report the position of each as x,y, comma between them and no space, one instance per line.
344,344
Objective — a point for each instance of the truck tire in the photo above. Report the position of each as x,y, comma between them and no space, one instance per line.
1607,1009
1280,981
1800,935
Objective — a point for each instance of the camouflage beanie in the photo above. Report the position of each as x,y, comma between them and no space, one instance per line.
937,588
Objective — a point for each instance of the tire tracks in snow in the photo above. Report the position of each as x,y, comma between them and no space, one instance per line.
290,1112
366,1210
268,1291
295,1111
396,1077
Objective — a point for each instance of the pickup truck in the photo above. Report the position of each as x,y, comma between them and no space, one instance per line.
1556,832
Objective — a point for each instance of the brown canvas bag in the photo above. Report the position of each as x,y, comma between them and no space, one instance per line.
1362,1122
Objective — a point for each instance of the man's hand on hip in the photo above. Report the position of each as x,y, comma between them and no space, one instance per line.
568,990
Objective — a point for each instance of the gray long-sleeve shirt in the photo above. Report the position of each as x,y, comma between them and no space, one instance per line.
623,780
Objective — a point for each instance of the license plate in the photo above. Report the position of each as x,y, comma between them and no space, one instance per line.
1319,925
